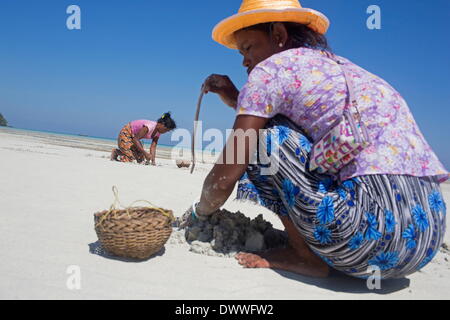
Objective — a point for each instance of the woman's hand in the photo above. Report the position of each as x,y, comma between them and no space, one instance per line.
224,87
189,218
147,156
153,151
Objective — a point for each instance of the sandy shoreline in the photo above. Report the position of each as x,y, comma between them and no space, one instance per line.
51,187
103,145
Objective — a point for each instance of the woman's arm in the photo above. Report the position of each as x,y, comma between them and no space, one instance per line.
221,180
137,141
153,150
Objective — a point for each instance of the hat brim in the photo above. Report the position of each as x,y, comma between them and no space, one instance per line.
223,33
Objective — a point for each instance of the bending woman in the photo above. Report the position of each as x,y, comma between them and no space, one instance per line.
384,209
129,140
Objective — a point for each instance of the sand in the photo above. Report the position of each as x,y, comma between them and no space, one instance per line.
51,187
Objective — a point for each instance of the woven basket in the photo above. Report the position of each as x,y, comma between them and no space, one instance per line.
136,233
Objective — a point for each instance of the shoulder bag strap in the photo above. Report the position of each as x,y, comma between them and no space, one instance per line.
351,91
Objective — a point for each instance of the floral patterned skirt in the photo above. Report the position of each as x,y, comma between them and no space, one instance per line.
393,222
127,150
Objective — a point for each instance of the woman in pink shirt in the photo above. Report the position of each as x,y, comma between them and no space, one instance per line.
129,140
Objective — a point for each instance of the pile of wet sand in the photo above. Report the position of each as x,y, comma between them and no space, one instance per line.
225,234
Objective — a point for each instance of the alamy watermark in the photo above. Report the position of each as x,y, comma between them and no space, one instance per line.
374,20
241,147
74,280
374,279
73,22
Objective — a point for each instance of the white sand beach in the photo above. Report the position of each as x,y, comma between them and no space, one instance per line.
52,185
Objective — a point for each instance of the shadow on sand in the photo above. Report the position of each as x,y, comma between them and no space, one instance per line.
340,282
97,249
337,281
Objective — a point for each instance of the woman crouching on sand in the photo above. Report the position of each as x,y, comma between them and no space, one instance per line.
383,209
129,140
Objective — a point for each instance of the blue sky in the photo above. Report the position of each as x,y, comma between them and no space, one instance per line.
136,59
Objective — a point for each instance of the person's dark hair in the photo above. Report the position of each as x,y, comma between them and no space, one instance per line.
300,35
167,121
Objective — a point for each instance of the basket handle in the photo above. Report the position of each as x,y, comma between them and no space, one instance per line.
116,204
152,206
113,207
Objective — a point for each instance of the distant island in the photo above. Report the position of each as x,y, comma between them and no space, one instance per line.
3,122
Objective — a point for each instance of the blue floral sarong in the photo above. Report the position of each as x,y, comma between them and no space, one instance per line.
393,222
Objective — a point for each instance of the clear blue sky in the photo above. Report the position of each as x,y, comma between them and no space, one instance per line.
136,59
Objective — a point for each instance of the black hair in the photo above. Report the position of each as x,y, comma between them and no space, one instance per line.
300,35
167,121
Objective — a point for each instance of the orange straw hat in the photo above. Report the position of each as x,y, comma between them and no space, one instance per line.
254,12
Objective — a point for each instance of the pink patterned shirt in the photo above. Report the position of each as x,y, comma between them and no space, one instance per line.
309,88
137,125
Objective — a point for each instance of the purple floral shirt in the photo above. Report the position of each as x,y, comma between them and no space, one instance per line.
310,89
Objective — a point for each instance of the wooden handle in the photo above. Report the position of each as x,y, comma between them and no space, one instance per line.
197,113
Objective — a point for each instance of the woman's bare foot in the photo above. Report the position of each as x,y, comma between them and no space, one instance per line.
287,259
114,155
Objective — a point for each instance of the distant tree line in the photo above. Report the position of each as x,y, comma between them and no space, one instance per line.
3,121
